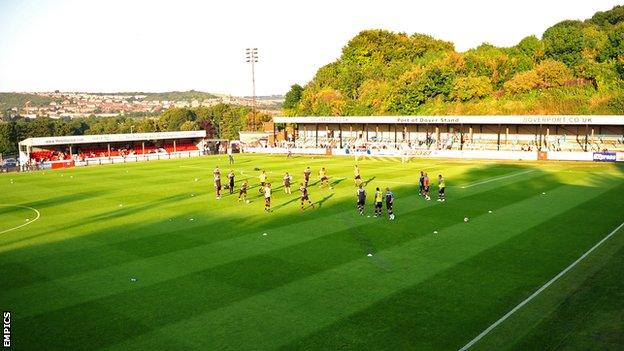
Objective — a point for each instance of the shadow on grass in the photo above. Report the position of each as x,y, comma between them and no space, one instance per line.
322,201
147,307
365,183
64,199
336,182
121,244
285,203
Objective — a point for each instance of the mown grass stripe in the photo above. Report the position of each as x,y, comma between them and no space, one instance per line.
539,291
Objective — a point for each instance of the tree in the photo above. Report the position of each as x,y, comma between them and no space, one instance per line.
614,46
293,96
61,128
78,126
522,82
173,118
611,17
41,127
374,98
8,140
468,88
420,85
552,73
327,102
564,42
189,125
530,46
147,125
616,105
235,120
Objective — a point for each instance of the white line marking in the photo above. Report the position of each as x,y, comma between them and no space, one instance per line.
397,182
25,224
193,167
549,283
496,178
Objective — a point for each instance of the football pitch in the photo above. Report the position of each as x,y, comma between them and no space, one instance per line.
142,256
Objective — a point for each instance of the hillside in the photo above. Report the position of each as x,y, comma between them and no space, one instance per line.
167,95
19,100
576,67
179,96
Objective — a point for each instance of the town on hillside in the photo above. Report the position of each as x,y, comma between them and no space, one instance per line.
81,104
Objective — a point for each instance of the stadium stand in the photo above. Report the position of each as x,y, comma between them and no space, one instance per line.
112,148
487,133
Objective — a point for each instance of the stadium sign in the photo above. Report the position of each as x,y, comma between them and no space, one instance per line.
520,120
605,156
619,156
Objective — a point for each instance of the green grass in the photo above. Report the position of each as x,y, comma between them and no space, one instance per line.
217,283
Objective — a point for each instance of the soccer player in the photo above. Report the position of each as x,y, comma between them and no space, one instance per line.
378,202
422,183
242,192
426,187
263,181
440,188
304,196
231,176
267,197
229,153
287,180
361,199
389,202
356,175
323,176
306,175
217,181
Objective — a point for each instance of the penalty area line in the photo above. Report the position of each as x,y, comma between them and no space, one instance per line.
496,178
25,224
538,291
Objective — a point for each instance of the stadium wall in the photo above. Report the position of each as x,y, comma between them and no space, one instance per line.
120,159
478,154
466,154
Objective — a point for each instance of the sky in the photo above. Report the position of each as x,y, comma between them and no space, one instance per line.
142,45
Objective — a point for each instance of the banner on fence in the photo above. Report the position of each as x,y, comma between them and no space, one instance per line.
604,156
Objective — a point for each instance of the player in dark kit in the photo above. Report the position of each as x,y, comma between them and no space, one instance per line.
426,187
306,175
304,196
441,187
217,181
378,202
231,176
361,199
422,183
389,203
242,193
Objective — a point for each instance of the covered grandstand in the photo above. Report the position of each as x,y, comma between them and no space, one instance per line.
82,150
439,135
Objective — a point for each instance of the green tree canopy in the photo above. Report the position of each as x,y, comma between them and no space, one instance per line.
293,96
173,118
381,72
